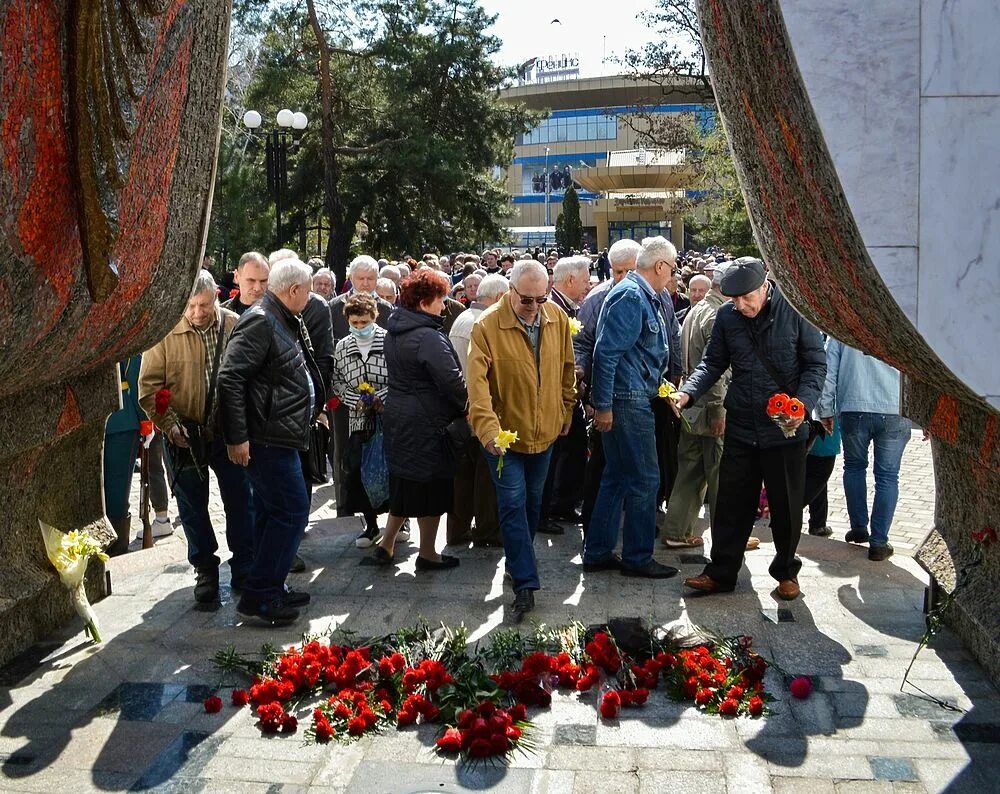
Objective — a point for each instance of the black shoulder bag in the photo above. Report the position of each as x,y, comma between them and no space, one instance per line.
816,429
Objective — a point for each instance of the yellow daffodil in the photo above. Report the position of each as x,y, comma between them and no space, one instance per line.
503,441
69,553
667,391
366,388
575,326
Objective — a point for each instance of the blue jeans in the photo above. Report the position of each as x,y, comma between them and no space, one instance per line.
519,502
631,477
191,490
889,433
282,502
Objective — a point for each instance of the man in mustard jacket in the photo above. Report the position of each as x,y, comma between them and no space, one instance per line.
521,379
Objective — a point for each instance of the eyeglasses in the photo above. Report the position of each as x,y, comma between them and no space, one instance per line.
527,300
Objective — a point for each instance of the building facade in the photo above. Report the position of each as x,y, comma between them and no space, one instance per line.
591,120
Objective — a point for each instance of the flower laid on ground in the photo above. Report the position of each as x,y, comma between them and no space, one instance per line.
213,704
503,441
575,326
367,392
69,553
783,409
161,401
801,687
481,695
240,697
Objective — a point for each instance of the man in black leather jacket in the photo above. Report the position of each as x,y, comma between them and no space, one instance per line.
270,391
755,448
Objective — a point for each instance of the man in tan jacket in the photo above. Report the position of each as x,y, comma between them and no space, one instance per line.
183,363
521,379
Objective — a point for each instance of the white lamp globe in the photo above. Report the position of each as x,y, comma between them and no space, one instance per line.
285,117
299,121
252,119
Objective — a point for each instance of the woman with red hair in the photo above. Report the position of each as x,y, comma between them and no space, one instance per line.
426,393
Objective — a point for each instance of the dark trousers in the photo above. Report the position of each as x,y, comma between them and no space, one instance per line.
783,472
667,432
282,504
475,498
340,441
592,475
818,471
564,483
157,476
191,491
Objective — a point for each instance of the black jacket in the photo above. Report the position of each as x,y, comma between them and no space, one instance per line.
316,316
264,380
426,391
792,346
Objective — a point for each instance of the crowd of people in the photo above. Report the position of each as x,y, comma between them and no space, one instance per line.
514,394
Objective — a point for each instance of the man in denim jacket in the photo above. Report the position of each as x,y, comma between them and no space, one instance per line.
630,357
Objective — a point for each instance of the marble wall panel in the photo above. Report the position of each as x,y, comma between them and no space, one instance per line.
959,47
898,268
861,66
959,277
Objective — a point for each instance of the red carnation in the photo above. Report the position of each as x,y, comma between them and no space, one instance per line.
729,707
518,712
406,717
610,705
161,401
703,697
240,697
801,687
450,741
289,724
333,404
323,728
233,293
480,748
356,726
756,706
736,693
213,704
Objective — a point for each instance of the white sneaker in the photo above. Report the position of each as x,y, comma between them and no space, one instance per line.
404,531
162,528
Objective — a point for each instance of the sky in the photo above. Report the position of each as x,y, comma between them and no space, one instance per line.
587,26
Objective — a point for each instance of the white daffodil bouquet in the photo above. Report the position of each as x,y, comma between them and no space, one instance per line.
69,553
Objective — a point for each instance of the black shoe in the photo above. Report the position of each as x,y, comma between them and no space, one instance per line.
381,556
295,598
569,516
206,585
880,553
551,528
651,570
857,536
820,532
524,602
446,561
298,565
612,563
274,612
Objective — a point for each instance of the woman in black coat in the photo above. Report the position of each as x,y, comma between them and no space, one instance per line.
426,392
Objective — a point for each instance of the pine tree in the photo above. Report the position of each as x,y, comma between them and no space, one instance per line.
572,225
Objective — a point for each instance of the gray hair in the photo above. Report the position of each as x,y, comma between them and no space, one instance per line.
570,266
288,272
700,279
493,286
655,249
476,276
204,282
362,263
389,271
529,268
325,271
386,283
404,269
719,273
624,251
282,253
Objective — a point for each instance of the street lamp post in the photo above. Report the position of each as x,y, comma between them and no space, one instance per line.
548,187
276,157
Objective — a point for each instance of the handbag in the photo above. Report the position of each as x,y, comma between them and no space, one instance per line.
316,457
816,429
375,469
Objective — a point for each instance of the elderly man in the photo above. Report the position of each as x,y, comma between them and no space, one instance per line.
475,496
271,390
251,281
392,273
521,380
630,357
771,349
386,289
186,363
699,449
698,288
324,284
564,485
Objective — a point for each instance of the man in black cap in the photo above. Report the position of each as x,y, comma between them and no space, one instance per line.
770,349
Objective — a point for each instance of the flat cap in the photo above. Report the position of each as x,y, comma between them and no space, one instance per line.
743,275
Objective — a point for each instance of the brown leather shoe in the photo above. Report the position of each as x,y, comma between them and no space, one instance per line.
753,543
788,589
706,584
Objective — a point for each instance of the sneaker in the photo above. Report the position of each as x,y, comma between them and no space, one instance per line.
162,527
295,598
368,538
206,585
404,532
880,553
857,535
274,612
820,532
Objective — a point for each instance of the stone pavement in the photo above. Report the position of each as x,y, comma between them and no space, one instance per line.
128,715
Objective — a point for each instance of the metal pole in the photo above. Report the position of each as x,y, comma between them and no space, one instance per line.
277,146
548,187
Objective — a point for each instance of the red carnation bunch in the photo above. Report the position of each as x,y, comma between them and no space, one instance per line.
484,731
727,680
430,673
603,652
161,401
272,718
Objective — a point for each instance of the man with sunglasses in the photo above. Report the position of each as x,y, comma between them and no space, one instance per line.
630,356
521,379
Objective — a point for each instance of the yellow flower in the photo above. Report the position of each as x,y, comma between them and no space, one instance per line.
366,388
69,553
667,390
503,440
575,326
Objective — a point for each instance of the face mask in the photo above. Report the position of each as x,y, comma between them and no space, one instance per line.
363,333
